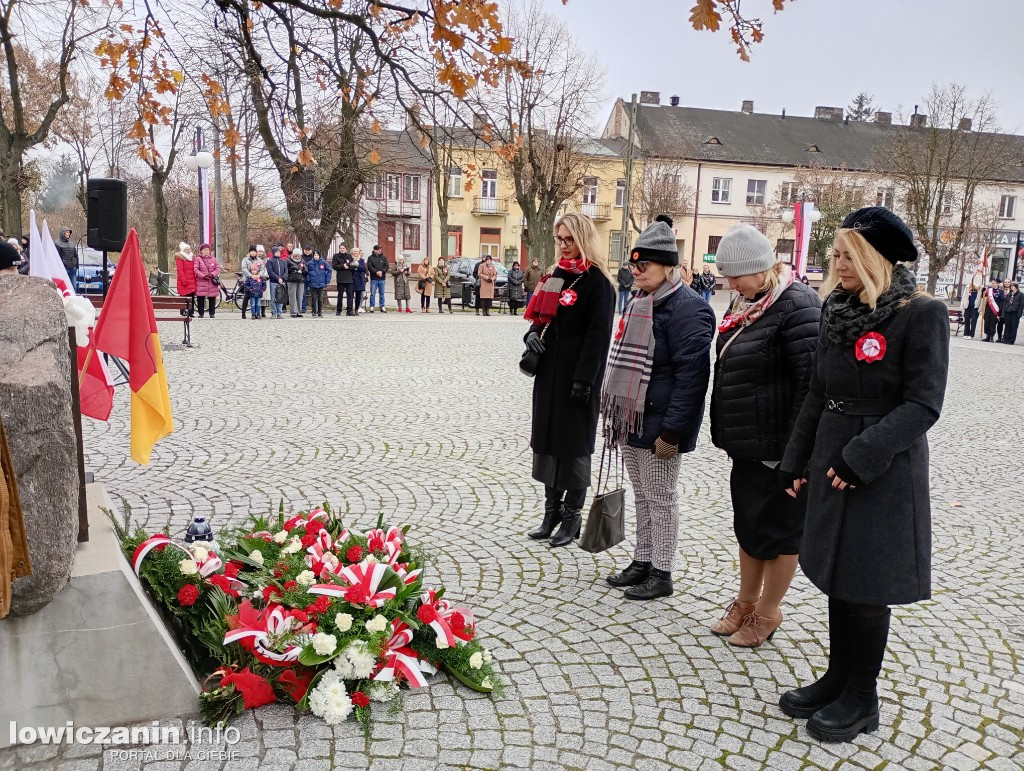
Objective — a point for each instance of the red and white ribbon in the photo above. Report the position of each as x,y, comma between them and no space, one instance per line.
443,624
400,660
408,577
366,577
273,622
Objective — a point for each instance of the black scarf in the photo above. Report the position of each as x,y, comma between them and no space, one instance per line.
845,318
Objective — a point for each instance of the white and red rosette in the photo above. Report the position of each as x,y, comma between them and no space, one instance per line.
361,587
401,661
453,626
870,347
567,298
273,622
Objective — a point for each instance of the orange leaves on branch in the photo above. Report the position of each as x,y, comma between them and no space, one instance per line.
375,127
232,136
704,15
305,157
374,157
745,32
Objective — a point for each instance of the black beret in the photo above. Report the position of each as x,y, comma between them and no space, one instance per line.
881,228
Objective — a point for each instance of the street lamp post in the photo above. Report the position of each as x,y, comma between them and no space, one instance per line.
200,161
803,215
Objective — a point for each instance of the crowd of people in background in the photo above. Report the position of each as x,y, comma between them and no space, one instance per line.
999,307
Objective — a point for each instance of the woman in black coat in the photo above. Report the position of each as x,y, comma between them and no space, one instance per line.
571,313
859,453
765,352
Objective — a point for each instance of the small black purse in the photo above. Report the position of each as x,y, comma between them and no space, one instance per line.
529,363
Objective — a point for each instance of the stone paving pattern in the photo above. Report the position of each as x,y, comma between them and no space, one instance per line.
427,418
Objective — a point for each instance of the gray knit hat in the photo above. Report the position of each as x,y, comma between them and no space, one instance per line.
657,243
744,250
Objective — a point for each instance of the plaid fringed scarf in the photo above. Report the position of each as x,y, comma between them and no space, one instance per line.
630,364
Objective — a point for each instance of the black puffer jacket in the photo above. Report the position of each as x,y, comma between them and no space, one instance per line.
762,379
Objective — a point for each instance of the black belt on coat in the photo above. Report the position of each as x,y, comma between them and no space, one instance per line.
847,405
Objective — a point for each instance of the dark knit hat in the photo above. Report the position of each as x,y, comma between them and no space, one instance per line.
9,256
657,243
890,235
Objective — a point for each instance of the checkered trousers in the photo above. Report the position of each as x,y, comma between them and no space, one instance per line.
655,483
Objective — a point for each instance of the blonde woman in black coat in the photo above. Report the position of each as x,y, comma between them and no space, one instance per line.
859,453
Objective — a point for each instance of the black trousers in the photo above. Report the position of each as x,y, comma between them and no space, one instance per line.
970,321
441,302
316,298
346,291
990,323
486,301
424,301
201,303
1000,327
1012,322
359,294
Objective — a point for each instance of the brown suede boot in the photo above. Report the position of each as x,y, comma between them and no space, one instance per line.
733,618
756,629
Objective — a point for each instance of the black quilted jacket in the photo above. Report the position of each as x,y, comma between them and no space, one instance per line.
762,379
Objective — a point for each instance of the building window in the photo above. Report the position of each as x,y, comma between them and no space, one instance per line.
615,247
947,204
620,194
490,242
412,188
1007,204
788,193
713,242
489,183
590,190
394,186
720,190
755,191
375,188
883,197
455,183
410,235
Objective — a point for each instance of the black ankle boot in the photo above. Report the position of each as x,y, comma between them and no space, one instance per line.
804,702
552,518
636,573
856,709
572,523
658,584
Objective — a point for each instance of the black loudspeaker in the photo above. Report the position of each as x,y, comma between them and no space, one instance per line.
107,214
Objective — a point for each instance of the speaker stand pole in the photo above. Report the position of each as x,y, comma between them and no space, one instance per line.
105,273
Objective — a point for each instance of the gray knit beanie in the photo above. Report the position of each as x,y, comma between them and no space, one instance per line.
744,250
657,243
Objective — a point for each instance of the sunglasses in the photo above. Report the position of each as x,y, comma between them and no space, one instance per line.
639,266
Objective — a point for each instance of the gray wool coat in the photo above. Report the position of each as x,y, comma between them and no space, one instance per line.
872,544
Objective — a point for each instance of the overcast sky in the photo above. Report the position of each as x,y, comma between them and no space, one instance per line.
816,52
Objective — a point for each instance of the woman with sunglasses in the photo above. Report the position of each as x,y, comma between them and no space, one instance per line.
653,400
571,315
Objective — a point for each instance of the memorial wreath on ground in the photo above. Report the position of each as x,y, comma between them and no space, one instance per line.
305,611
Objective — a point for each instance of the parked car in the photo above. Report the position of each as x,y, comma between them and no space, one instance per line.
90,271
462,273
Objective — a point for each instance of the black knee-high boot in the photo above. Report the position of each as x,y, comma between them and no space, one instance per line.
552,514
572,518
856,709
804,702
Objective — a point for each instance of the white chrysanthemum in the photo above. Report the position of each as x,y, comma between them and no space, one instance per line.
486,683
256,556
487,656
382,692
188,567
324,644
280,536
292,546
476,660
200,554
370,559
344,667
441,643
343,621
305,578
363,662
377,624
329,700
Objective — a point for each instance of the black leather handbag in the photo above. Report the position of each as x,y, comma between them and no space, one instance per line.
530,360
606,523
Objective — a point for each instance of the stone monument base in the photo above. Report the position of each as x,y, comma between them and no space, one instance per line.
98,655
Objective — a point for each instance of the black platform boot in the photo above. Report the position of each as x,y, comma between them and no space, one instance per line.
552,515
572,518
804,702
856,709
658,584
636,573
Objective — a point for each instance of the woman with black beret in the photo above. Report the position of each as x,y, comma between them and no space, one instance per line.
859,453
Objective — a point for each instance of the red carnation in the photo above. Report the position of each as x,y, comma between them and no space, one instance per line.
269,592
299,615
356,595
314,527
457,622
308,540
232,568
360,699
187,595
292,523
426,613
296,682
354,554
289,585
277,573
317,567
224,584
320,606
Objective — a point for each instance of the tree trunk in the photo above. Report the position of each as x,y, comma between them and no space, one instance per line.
442,218
10,191
157,180
243,233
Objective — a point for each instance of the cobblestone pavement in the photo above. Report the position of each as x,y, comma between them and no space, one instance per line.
426,418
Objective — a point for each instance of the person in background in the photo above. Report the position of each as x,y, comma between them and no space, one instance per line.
653,400
359,276
277,275
255,285
533,276
443,285
476,287
1012,307
970,307
378,266
251,258
184,267
68,253
207,271
993,303
307,255
515,289
318,279
765,352
261,252
23,248
706,283
488,275
425,283
625,279
804,280
10,259
342,264
297,272
401,274
1001,323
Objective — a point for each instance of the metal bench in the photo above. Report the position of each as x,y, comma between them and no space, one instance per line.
165,308
956,321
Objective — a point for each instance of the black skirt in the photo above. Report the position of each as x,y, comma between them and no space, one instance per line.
767,522
562,473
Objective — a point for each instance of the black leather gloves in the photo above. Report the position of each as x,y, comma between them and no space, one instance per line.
534,343
580,391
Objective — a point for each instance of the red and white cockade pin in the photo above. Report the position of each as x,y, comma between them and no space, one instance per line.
621,329
870,348
568,297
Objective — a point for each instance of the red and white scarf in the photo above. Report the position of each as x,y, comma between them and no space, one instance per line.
745,312
544,304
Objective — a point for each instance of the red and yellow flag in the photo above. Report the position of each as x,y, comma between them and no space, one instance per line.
127,329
